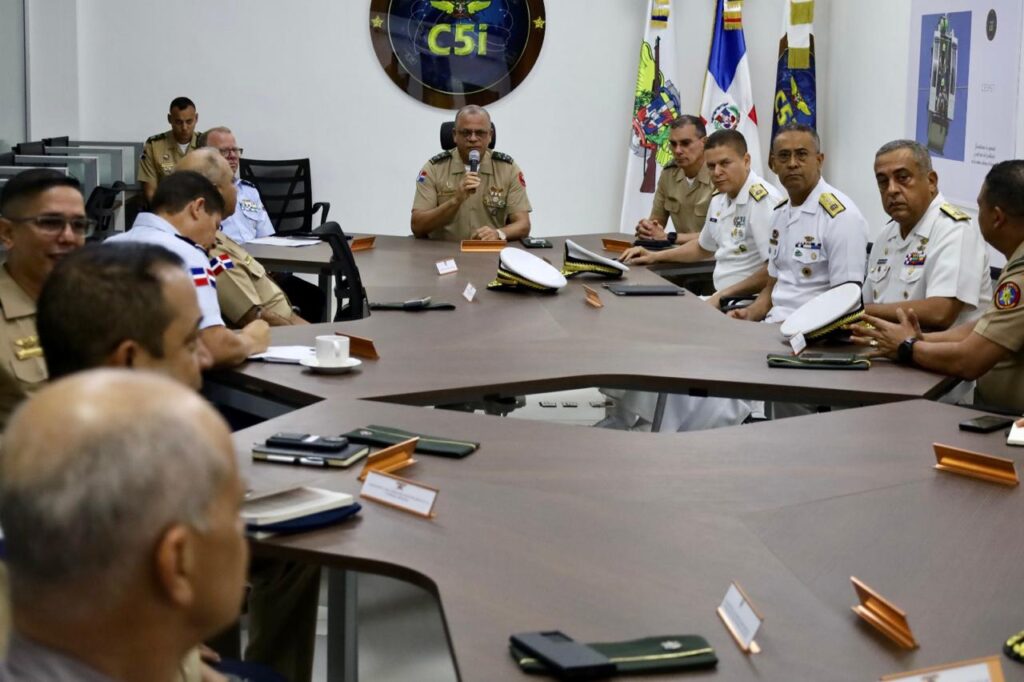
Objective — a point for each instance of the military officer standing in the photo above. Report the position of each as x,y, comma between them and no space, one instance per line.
42,219
930,257
684,187
818,237
991,349
452,203
163,152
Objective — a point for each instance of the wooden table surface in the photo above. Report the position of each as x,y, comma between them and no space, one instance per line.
610,535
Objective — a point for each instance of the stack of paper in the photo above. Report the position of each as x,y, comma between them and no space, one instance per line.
287,354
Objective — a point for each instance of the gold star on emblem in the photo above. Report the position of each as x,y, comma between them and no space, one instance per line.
377,22
539,22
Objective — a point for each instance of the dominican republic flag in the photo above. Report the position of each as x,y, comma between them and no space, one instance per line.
200,277
796,97
728,101
655,105
221,263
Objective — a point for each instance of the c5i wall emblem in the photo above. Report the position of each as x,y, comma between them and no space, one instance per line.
449,53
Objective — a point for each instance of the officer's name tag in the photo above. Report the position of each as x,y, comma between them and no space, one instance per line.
400,493
740,618
446,266
469,293
988,669
798,343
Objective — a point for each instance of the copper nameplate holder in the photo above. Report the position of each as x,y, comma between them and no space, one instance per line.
361,243
883,615
754,647
975,465
482,246
615,245
592,297
393,458
360,347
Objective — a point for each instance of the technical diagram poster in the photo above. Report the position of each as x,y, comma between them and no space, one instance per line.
962,97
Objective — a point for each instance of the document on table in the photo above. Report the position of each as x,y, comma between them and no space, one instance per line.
285,241
286,354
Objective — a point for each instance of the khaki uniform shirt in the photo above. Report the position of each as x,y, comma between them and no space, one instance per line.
245,283
21,357
160,155
687,204
1003,323
501,193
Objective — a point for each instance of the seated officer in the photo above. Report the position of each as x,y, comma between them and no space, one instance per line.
42,219
990,349
818,237
737,228
245,291
163,151
249,220
117,577
684,187
453,203
929,258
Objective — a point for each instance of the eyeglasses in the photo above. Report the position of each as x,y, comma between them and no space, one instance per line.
801,156
231,151
467,133
54,224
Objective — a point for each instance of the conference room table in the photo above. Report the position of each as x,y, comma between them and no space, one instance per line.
610,535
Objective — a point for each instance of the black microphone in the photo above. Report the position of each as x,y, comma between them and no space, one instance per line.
474,160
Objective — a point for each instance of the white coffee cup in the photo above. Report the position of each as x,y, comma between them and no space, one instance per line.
331,350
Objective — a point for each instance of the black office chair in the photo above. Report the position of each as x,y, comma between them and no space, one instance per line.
349,292
101,206
63,141
287,193
30,149
448,135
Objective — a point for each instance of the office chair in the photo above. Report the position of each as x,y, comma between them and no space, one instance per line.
448,136
348,285
101,207
286,190
30,149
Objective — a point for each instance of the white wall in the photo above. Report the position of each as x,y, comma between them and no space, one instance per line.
52,68
12,72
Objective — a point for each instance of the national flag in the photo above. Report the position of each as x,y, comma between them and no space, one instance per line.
795,88
728,101
200,277
655,105
220,263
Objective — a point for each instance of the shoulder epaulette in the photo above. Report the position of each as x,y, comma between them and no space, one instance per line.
443,156
501,156
758,192
954,213
781,204
154,138
670,164
245,182
1013,264
714,193
831,204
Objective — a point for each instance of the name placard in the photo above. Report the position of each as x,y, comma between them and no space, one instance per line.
390,459
469,293
615,245
883,615
362,243
798,343
975,464
593,298
988,669
741,618
400,493
361,347
483,246
446,266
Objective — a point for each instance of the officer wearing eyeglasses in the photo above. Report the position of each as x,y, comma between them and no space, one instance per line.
452,203
42,219
250,219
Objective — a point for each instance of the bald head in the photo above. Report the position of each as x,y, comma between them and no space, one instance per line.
208,162
94,469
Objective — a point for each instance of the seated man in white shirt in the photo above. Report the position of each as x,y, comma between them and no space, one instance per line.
931,257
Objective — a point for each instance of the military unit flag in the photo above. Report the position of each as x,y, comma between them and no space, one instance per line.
795,88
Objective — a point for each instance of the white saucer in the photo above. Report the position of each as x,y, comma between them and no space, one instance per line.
315,365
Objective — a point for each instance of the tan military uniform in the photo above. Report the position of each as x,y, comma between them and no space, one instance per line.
244,285
1003,323
21,357
501,193
686,203
160,155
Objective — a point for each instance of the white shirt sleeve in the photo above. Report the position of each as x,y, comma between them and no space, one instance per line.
847,247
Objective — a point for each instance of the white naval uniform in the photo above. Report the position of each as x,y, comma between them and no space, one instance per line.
943,256
250,219
150,228
737,230
814,247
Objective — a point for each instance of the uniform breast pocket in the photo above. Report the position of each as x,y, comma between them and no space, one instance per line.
878,273
911,274
672,205
30,370
807,256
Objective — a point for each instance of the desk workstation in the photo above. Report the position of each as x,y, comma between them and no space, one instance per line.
612,536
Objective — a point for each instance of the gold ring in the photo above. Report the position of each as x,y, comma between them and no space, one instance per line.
874,343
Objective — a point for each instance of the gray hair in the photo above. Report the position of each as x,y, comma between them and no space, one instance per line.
795,127
89,520
208,164
204,137
472,110
917,150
